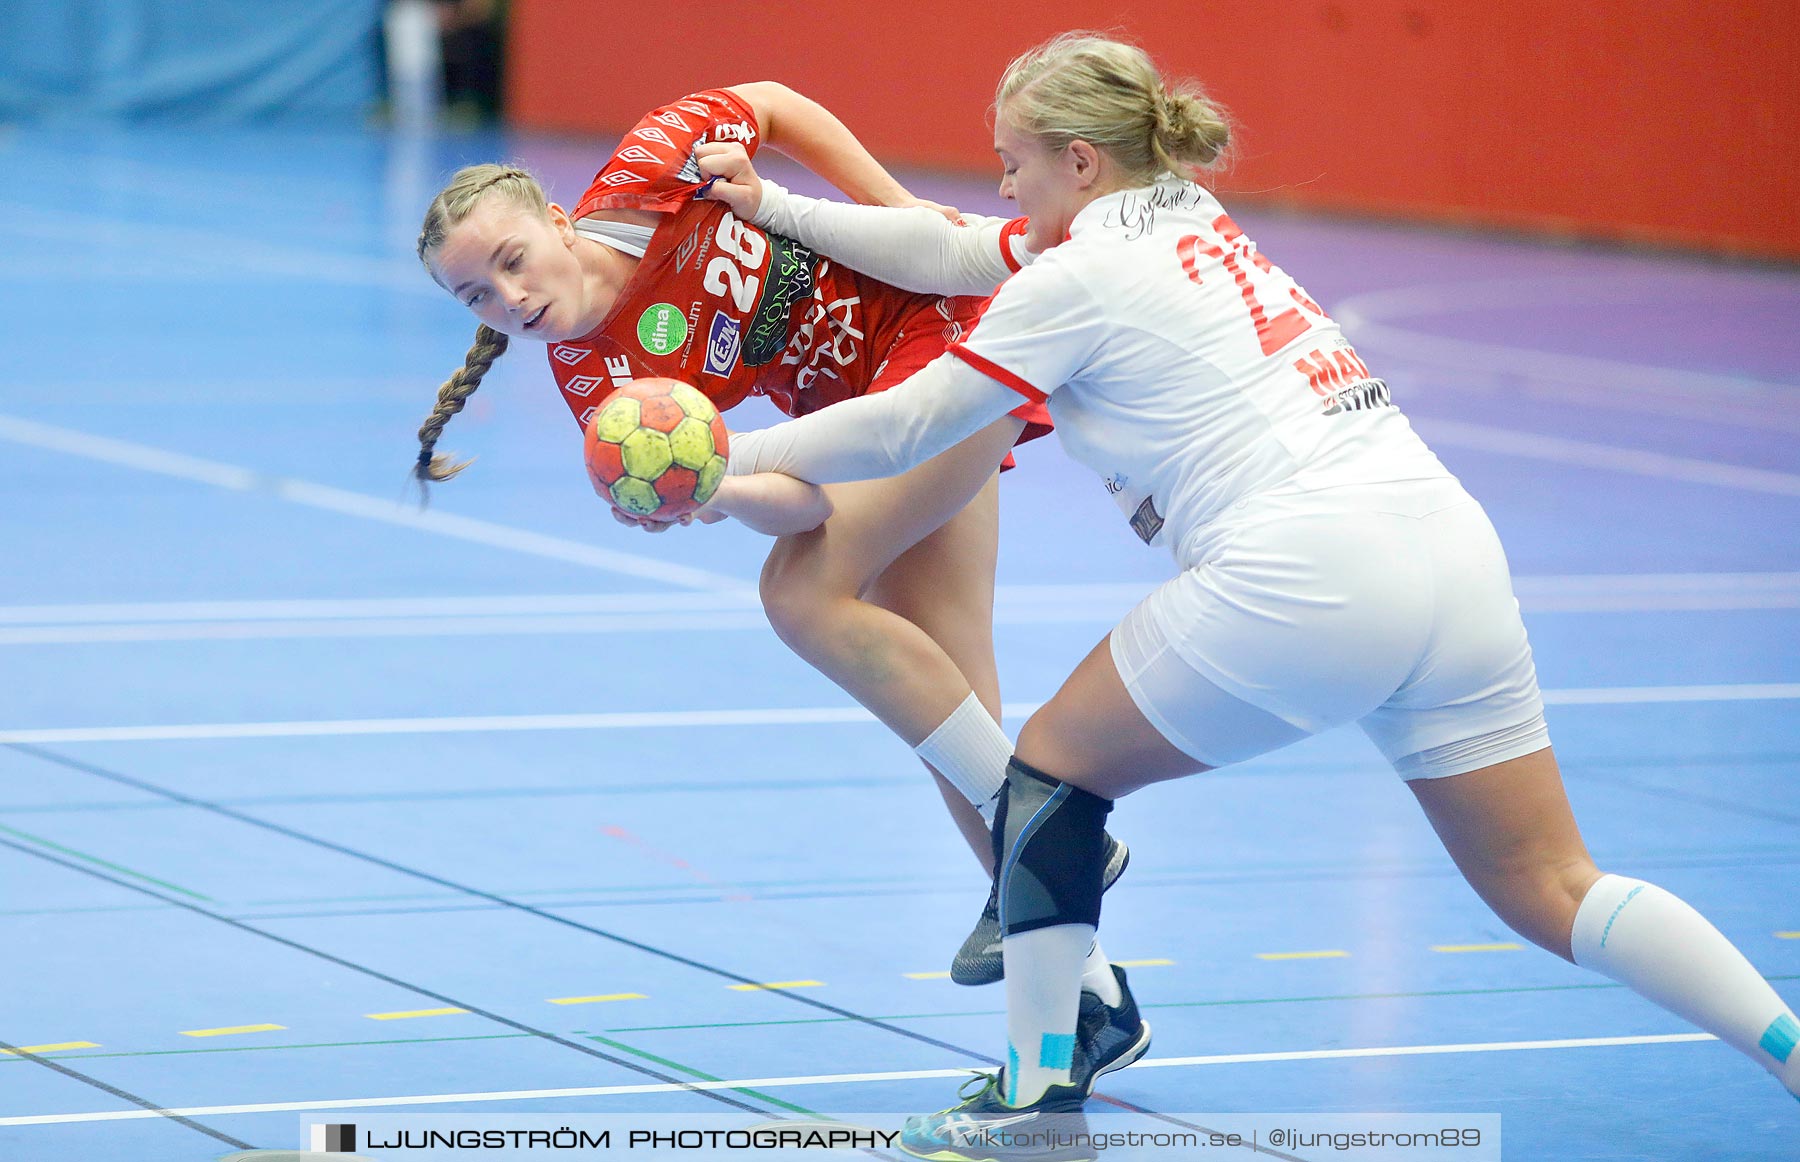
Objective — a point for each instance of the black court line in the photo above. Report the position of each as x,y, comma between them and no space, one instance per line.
701,966
133,1098
375,974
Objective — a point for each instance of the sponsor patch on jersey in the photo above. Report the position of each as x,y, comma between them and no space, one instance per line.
789,281
1146,522
723,342
662,329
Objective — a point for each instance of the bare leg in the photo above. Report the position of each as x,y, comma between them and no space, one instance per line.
945,586
1509,828
1512,835
829,594
1092,735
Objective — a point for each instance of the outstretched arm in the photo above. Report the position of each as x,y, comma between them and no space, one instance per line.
914,249
874,436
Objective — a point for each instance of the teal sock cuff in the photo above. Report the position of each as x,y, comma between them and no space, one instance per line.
1057,1051
1779,1039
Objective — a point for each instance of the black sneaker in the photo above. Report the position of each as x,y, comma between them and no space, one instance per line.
1109,1037
978,961
983,1128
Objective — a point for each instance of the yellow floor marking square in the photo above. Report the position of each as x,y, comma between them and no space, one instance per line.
1787,935
778,984
926,975
52,1048
1143,963
410,1013
1322,954
1508,947
597,999
229,1030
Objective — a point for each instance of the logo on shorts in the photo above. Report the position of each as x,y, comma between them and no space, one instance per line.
662,329
723,341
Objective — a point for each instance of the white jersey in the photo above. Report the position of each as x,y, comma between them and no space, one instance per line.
1186,369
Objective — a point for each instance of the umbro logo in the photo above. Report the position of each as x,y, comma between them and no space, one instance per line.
652,133
568,356
583,385
636,153
623,177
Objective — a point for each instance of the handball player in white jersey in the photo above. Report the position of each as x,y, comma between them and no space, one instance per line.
1332,570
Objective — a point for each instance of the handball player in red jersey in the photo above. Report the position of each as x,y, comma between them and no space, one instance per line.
885,587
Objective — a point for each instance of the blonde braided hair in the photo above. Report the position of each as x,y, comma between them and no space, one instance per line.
468,186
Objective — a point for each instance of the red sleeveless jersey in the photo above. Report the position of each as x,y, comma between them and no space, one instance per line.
732,309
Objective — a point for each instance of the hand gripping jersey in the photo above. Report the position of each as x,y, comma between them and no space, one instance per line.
732,309
1188,370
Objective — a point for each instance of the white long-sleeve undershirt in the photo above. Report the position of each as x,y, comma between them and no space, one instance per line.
915,249
874,436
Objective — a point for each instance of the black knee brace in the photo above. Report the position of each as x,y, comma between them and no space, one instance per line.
1048,851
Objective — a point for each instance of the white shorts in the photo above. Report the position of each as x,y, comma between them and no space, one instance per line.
1388,605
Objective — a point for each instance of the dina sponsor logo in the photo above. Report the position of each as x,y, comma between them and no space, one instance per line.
662,329
723,342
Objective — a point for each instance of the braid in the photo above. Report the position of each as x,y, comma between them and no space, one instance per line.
435,466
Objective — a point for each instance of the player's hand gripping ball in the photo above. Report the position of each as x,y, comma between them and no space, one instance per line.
656,448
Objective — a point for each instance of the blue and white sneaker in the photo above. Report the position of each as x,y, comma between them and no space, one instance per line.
979,960
1108,1037
983,1128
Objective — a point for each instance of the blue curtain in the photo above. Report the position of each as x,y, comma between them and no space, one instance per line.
217,61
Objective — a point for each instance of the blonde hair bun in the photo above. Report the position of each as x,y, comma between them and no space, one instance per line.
1083,86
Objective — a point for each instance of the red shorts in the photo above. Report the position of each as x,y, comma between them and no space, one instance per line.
926,336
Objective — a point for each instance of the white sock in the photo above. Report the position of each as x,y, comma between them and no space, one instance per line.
1043,997
1097,977
969,749
1653,943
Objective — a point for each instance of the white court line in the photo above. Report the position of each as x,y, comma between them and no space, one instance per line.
844,1079
230,476
794,716
740,610
1633,461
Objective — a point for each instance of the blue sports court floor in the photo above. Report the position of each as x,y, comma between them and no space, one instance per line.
312,801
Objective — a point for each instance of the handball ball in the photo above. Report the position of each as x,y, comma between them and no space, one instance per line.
656,448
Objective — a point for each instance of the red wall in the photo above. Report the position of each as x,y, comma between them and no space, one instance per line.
1663,121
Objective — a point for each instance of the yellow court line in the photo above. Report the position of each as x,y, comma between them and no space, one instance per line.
1322,954
1142,963
230,1029
1477,947
926,975
598,999
777,984
410,1013
1787,935
51,1048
